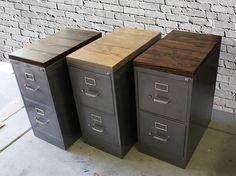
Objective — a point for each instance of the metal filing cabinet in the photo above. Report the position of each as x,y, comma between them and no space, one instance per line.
175,83
42,75
103,85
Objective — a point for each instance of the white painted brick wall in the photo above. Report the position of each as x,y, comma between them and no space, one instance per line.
24,21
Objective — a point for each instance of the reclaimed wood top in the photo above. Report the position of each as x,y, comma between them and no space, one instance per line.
48,50
115,49
179,53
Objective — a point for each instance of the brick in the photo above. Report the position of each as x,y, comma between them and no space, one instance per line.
189,27
232,80
133,25
21,6
155,1
38,9
149,6
114,8
20,38
176,3
110,1
102,27
74,16
154,28
125,17
224,25
95,5
218,8
200,21
179,18
55,12
214,31
66,7
223,17
165,23
29,33
113,22
165,8
94,19
73,2
133,11
231,34
154,14
145,20
106,14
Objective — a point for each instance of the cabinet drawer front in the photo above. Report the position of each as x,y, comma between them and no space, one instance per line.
162,134
99,125
43,119
92,89
163,95
32,81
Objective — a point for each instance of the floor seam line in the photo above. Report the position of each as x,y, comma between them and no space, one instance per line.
12,142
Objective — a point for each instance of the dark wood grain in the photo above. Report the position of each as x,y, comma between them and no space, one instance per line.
179,53
46,51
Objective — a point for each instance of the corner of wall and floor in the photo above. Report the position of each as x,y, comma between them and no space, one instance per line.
24,21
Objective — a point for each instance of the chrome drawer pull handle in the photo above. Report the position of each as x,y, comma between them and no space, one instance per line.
161,139
98,130
156,100
30,88
39,111
92,94
40,122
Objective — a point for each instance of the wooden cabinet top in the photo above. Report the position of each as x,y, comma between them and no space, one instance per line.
179,53
48,50
115,49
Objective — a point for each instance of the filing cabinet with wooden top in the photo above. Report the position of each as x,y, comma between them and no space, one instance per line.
103,85
44,83
175,84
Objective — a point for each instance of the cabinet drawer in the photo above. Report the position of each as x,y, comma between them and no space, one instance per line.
162,95
99,125
164,135
32,81
43,119
92,89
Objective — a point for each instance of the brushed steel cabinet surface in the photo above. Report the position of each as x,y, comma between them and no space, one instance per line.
43,119
54,98
98,125
174,99
162,134
92,89
162,95
114,131
33,82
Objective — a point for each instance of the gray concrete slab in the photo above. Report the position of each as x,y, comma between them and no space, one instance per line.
15,126
30,156
10,97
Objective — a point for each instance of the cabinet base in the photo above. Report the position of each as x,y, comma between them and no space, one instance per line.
116,150
168,157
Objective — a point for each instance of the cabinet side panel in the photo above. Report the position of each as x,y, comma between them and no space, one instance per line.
203,90
59,81
125,103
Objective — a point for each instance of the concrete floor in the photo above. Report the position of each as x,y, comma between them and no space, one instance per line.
30,156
